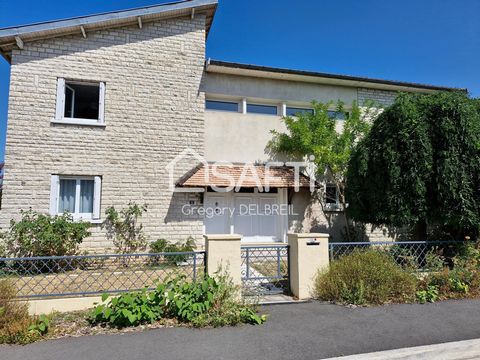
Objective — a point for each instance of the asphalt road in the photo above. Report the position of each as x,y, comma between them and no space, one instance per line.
294,331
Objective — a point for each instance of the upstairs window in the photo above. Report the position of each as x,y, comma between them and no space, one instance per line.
80,102
337,115
292,111
79,196
221,105
332,199
262,109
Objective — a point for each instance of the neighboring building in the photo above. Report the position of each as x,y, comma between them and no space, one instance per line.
104,108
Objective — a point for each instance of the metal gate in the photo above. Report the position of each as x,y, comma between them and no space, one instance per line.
265,269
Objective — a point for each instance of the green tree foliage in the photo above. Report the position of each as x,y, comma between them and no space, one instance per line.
420,165
318,134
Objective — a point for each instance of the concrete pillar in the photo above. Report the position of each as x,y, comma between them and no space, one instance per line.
223,251
308,254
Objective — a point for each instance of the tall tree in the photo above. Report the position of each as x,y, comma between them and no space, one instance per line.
419,166
324,140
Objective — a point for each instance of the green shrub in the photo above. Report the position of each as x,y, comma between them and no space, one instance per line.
124,229
434,261
15,322
209,302
430,294
38,234
365,277
129,309
163,246
226,308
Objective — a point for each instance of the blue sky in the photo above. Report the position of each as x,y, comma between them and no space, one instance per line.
428,41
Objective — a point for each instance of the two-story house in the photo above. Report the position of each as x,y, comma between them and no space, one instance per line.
103,109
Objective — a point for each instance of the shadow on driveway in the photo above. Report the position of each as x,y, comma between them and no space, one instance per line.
295,331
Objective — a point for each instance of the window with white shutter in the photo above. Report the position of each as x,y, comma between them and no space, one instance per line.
77,195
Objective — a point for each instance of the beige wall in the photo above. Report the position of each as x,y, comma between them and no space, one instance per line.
239,137
153,110
280,90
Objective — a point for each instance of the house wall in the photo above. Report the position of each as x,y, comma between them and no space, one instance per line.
238,137
153,78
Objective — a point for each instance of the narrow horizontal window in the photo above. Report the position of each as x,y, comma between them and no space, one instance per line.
292,111
221,105
337,115
262,109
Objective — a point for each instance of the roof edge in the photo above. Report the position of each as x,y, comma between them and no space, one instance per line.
226,67
94,22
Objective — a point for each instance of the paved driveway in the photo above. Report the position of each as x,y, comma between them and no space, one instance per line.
295,331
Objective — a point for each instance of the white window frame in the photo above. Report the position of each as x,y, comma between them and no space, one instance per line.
60,105
55,196
332,206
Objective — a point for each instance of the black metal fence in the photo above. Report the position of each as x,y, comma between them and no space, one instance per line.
265,269
57,276
419,255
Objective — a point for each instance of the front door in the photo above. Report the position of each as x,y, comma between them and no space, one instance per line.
254,219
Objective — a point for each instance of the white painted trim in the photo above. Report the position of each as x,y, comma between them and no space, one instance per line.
60,109
101,103
73,121
139,20
19,42
84,34
242,106
54,186
97,190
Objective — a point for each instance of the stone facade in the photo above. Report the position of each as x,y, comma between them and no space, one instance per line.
153,110
383,98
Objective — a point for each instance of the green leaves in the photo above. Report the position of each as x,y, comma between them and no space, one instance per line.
38,234
420,164
124,229
176,298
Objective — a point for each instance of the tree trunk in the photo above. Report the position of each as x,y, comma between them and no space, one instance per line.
420,230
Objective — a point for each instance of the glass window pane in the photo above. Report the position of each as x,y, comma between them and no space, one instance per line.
262,109
221,105
331,194
66,201
86,196
84,103
69,95
292,111
336,115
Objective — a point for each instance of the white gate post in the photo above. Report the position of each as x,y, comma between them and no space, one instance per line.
224,252
308,254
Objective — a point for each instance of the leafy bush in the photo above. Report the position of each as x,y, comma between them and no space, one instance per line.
129,309
365,277
226,308
124,229
208,302
38,234
430,294
163,246
14,319
40,326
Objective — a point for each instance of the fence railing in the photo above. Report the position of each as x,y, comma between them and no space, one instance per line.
264,269
420,255
57,276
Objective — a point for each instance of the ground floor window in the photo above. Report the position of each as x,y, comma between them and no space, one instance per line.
77,195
